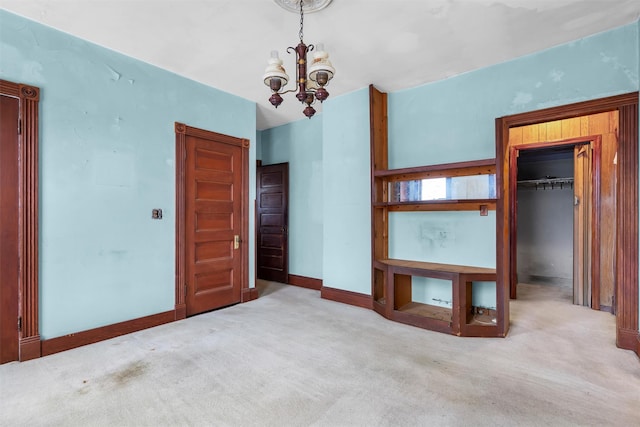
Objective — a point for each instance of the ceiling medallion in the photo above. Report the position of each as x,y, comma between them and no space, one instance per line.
308,6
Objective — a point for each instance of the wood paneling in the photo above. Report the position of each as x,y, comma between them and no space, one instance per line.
627,231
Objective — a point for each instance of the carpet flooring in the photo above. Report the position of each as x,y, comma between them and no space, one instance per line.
291,358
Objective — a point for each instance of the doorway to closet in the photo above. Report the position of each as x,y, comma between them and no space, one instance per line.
616,118
561,237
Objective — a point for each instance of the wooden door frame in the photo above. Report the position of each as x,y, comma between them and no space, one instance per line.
182,131
28,131
627,335
596,142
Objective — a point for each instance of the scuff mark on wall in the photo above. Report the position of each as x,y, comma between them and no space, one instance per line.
116,123
115,76
521,98
556,75
633,77
437,235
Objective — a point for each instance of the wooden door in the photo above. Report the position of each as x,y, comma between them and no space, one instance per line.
582,225
9,248
213,223
272,219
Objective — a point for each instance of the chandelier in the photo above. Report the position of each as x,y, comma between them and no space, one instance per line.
310,86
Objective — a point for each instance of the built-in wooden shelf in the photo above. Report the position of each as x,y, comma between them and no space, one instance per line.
447,269
397,303
427,310
392,278
474,167
439,205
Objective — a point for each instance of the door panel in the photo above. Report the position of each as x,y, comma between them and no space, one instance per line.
582,225
213,210
272,221
9,335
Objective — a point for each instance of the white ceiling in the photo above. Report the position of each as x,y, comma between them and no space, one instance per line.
394,44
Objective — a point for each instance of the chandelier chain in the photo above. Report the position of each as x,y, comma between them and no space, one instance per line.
301,20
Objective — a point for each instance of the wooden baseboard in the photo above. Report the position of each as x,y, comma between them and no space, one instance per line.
347,297
29,348
305,282
78,339
181,311
638,345
628,339
249,294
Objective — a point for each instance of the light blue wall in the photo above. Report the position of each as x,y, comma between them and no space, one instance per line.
300,144
259,145
347,193
107,158
453,120
460,237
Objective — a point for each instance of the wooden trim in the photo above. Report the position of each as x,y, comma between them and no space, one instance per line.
182,131
249,294
638,346
78,339
596,215
181,128
347,297
379,159
513,221
578,109
180,286
482,166
440,205
627,339
30,348
244,143
28,289
379,134
502,230
305,282
627,216
627,229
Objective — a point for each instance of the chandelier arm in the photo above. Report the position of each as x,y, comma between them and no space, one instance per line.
287,91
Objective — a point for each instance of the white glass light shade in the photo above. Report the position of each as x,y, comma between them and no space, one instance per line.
275,70
321,63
